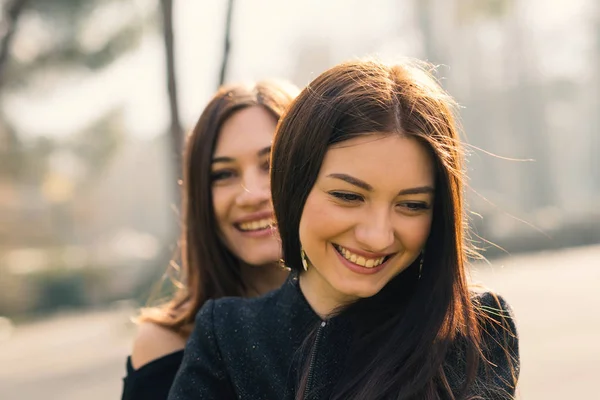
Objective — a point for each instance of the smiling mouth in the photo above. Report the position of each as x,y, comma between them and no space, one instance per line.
257,225
361,261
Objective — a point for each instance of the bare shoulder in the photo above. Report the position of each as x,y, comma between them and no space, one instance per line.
152,342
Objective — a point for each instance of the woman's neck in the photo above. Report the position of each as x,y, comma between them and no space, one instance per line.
262,279
322,298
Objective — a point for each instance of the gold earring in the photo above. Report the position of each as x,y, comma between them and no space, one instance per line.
283,266
304,260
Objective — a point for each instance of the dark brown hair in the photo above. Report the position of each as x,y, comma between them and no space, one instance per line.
208,268
399,354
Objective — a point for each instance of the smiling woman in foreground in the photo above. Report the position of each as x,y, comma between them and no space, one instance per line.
367,187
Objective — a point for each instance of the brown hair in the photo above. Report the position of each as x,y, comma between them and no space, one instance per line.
208,268
412,322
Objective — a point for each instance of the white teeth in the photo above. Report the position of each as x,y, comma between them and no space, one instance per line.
359,260
257,225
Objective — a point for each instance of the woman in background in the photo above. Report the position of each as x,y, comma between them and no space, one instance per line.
229,246
367,185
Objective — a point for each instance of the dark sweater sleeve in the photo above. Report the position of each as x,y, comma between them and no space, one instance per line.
498,377
202,374
153,380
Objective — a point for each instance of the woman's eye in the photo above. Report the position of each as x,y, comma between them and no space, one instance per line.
221,175
347,197
415,206
266,165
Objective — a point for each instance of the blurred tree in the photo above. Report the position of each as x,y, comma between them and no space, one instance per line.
595,134
42,42
528,104
73,38
66,43
227,44
426,21
95,145
175,129
469,11
521,129
10,149
10,12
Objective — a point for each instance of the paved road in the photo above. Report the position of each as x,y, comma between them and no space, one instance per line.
555,296
67,357
556,299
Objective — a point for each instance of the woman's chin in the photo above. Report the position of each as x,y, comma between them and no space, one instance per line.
357,290
260,261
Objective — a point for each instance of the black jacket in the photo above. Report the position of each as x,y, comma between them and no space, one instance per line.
249,349
153,380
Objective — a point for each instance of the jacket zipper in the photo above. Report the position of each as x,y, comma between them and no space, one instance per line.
313,359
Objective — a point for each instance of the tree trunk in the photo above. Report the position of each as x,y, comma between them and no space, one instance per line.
12,11
225,59
175,129
424,17
595,148
8,138
528,108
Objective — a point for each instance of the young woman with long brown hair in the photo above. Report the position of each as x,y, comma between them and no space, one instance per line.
367,185
228,244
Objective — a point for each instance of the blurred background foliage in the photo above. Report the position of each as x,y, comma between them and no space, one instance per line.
95,94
